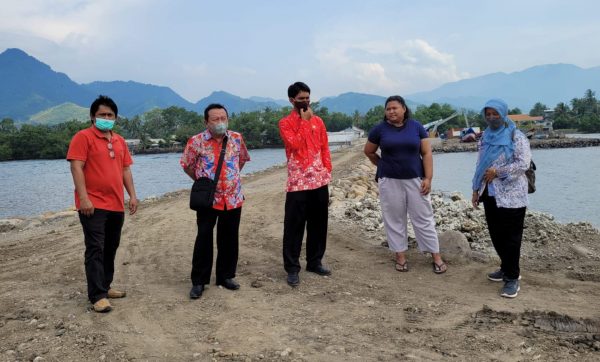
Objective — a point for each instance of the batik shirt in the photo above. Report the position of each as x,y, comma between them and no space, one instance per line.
307,151
510,187
202,153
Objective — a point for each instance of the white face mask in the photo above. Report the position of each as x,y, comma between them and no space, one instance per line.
219,129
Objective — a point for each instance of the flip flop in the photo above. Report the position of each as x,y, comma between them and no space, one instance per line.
439,268
402,267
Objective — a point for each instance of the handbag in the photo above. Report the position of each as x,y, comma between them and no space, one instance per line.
530,174
202,195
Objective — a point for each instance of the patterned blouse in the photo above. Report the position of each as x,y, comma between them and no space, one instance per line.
510,187
202,152
307,151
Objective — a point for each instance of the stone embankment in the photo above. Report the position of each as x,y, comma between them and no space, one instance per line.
454,145
461,228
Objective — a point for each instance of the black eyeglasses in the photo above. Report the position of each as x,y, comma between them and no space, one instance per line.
111,152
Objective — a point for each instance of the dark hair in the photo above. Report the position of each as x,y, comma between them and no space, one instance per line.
103,101
214,106
296,88
400,100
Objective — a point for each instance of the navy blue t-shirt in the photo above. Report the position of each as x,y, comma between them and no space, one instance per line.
400,149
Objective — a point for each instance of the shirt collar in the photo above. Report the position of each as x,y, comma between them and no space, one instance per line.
99,133
206,135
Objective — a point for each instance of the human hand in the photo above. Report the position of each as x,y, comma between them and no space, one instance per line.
490,174
133,204
425,186
306,114
475,199
86,207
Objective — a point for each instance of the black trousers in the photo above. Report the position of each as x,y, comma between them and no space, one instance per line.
506,230
305,209
102,235
228,226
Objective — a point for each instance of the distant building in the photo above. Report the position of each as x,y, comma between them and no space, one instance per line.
531,123
346,136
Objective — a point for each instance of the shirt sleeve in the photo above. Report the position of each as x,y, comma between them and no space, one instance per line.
244,155
127,160
189,156
375,135
422,132
520,161
78,148
293,138
325,154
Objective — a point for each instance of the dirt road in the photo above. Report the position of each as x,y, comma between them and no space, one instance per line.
366,311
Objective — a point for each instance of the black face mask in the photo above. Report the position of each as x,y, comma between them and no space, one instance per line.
301,106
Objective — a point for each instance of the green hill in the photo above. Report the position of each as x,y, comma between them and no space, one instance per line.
61,113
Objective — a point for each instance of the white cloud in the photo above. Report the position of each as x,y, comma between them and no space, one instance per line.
384,66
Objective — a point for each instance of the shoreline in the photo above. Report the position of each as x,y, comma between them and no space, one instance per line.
454,145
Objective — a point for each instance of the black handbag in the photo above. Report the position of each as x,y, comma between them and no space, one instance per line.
202,195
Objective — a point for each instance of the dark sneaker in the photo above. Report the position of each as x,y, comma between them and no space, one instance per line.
511,288
497,276
196,291
230,284
293,279
320,269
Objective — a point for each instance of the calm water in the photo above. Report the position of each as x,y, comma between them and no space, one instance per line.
567,180
33,187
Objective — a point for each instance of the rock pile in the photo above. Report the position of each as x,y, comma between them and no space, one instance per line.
354,199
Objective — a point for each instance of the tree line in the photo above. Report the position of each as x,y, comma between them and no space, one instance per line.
260,128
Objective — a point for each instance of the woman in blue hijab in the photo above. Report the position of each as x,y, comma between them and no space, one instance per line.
500,183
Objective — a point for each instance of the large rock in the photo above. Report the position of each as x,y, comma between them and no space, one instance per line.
454,243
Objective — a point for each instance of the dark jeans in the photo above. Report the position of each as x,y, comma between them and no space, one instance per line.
506,230
102,233
228,226
305,209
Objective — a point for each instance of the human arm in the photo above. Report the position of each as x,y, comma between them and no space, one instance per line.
85,205
427,159
128,183
325,153
520,160
291,133
188,159
370,151
244,155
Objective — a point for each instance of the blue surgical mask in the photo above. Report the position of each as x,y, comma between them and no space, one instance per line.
219,129
104,124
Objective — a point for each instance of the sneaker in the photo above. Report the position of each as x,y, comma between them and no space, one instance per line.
113,293
102,306
497,276
293,279
511,288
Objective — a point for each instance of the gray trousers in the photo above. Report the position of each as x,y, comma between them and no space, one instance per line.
400,198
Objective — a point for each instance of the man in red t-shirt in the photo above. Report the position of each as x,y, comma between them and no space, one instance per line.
100,163
309,172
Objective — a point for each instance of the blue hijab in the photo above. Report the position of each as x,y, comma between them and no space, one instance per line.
495,142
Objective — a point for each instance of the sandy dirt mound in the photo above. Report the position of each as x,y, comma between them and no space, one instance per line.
366,311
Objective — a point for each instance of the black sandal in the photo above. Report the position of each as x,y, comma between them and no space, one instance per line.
439,268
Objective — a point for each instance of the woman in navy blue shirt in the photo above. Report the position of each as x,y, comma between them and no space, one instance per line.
404,172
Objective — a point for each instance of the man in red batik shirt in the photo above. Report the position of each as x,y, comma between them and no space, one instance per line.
307,199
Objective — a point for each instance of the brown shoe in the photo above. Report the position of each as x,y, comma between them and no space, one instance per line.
113,293
102,306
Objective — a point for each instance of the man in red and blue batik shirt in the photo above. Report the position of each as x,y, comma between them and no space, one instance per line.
200,159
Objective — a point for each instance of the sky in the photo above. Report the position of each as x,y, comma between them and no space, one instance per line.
258,48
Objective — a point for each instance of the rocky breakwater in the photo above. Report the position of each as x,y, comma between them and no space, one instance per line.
461,228
454,145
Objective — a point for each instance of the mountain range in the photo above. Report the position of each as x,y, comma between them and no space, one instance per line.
31,91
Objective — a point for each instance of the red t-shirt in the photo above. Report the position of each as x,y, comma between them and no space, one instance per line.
103,174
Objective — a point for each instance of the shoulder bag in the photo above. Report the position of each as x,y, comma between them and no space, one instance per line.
202,195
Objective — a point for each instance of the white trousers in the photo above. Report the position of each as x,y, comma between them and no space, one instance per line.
400,198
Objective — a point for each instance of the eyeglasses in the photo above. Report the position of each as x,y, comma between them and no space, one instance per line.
111,152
